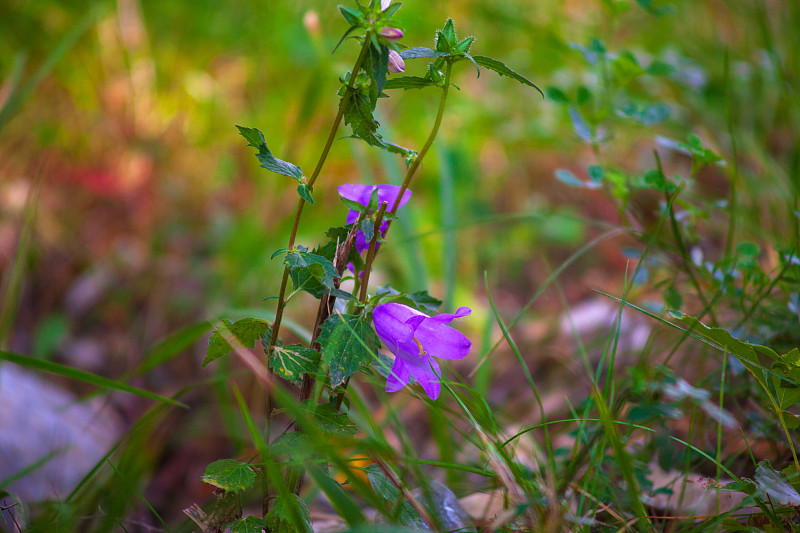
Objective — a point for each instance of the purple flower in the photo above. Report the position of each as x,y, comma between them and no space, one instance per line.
391,34
415,339
362,194
396,63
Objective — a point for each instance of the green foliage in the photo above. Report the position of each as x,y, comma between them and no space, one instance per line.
256,139
333,422
348,342
279,521
230,475
420,300
503,70
292,361
249,524
245,330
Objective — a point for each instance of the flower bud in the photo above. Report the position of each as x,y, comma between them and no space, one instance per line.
391,34
385,4
396,63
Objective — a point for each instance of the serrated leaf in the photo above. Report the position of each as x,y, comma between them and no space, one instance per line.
348,342
408,82
420,51
380,65
500,68
292,361
229,475
256,139
352,16
305,193
333,422
279,520
246,330
311,273
248,524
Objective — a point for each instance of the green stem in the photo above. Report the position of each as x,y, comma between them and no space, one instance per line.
434,131
301,203
371,251
276,325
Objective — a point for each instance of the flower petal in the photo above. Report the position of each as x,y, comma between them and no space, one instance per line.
356,192
426,376
446,318
439,340
388,193
389,320
399,376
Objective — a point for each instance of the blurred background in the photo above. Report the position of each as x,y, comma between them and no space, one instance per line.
130,208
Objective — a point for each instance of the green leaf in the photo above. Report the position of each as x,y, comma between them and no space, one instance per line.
380,65
500,68
305,193
278,520
230,475
449,33
80,375
420,51
368,227
408,82
673,298
348,342
291,362
256,139
358,115
464,46
352,16
311,273
420,300
246,330
333,422
625,68
249,524
381,484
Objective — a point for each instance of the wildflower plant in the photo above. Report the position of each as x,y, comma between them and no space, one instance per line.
352,326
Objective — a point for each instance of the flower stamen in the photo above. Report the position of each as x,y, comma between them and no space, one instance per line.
421,349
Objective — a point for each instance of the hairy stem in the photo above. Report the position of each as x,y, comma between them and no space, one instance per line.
276,325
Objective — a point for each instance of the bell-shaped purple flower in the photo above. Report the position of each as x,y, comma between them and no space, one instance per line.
396,63
415,339
362,194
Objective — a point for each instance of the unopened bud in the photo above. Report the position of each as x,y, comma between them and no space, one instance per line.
311,22
391,34
385,4
396,63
